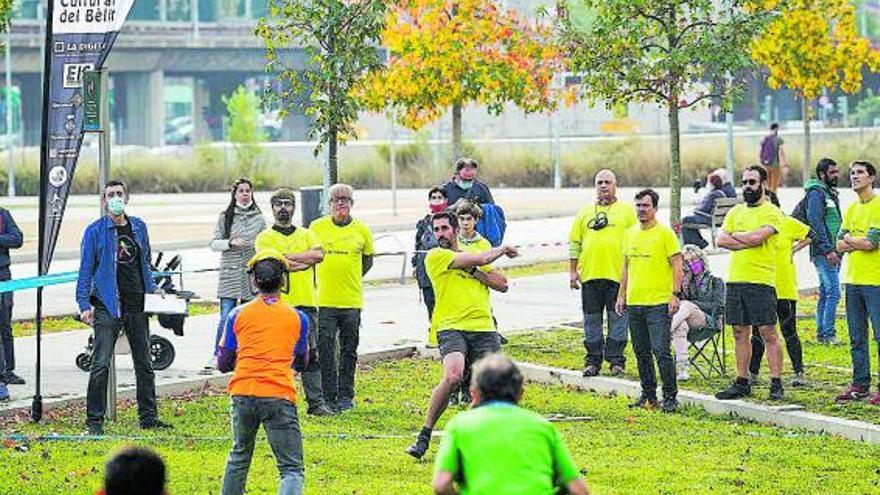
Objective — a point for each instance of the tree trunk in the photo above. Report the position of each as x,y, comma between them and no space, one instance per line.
675,163
456,131
805,168
332,146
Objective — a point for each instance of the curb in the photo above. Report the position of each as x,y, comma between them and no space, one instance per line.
183,385
786,416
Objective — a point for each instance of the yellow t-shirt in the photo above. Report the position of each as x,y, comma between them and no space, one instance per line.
792,231
650,277
755,265
340,275
863,267
462,302
480,245
602,250
301,290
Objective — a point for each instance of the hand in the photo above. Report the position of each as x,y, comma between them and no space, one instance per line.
238,243
620,306
510,251
833,258
574,280
673,305
87,316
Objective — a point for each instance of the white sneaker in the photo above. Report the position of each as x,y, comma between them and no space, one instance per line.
683,373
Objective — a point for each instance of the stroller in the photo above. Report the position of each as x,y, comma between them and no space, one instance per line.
161,350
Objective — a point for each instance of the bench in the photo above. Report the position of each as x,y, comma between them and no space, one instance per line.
719,211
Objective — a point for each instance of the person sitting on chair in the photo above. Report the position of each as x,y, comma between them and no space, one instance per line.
702,297
703,214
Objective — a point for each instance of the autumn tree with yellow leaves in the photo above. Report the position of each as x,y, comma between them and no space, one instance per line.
814,47
451,53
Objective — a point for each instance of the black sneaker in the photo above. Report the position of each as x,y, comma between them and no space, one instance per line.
669,405
320,410
617,370
419,448
776,392
591,370
13,379
95,430
454,398
343,405
647,402
155,424
735,391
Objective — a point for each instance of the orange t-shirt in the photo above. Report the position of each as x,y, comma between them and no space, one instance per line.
264,336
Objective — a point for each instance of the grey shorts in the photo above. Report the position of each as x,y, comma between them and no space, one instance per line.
473,345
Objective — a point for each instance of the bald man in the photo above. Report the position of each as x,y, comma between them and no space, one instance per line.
596,261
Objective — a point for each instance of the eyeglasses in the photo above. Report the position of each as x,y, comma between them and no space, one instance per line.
341,200
283,203
750,182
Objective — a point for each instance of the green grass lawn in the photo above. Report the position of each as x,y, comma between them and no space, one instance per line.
361,452
828,368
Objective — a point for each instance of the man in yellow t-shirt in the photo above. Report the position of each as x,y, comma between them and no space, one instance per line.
749,231
650,285
793,236
303,252
596,259
859,240
348,256
462,314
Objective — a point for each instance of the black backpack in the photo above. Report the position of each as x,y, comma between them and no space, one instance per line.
800,211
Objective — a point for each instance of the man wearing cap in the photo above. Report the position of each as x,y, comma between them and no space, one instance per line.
348,256
302,251
263,340
464,184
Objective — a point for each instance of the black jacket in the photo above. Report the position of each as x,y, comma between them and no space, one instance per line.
479,192
10,237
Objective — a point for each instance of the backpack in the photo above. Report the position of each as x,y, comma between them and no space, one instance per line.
800,211
493,224
769,150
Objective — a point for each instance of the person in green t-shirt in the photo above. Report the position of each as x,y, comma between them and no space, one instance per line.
348,256
650,288
462,317
499,447
596,257
749,231
859,240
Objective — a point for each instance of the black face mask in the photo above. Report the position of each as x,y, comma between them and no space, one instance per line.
752,196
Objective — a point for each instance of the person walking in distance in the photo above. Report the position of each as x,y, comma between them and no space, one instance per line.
114,275
596,260
772,156
859,240
303,251
749,231
462,317
237,228
348,256
650,289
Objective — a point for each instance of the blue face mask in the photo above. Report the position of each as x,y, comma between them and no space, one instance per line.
465,184
116,205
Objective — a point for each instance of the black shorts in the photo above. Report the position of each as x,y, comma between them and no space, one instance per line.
473,345
750,304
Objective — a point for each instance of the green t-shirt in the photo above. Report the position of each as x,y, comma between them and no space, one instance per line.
601,255
755,265
861,220
649,266
500,448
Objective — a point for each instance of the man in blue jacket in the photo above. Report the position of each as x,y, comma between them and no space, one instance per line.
10,237
114,275
824,218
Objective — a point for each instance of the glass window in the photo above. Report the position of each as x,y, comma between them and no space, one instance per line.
144,10
178,10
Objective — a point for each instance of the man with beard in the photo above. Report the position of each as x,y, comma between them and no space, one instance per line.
302,251
749,231
824,218
462,315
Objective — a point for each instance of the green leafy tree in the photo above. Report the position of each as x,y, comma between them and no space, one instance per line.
340,39
243,129
675,53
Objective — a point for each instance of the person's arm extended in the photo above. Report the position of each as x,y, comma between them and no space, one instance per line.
620,305
494,279
309,257
470,260
443,484
11,236
802,244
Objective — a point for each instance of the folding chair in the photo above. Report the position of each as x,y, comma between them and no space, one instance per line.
707,348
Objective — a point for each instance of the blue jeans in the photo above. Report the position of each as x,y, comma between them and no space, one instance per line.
862,305
829,296
649,327
279,419
227,304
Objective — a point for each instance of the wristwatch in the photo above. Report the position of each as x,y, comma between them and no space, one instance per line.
472,270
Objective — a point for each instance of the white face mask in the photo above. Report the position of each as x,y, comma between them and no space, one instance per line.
116,205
